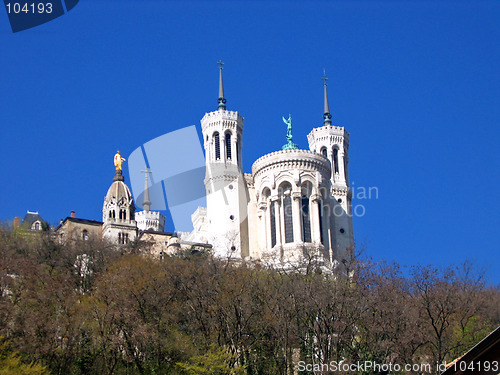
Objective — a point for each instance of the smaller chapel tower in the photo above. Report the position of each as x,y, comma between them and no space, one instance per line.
226,190
333,143
118,210
148,220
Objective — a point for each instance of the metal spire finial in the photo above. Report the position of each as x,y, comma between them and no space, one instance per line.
146,203
221,100
327,117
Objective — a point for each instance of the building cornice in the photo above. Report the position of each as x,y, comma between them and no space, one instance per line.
291,159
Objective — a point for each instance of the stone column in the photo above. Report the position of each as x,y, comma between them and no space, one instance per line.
297,216
238,154
330,157
263,224
281,220
222,145
346,167
341,165
268,225
277,218
208,148
234,150
314,212
325,214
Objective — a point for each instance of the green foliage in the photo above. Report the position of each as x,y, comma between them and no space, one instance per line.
216,361
85,308
466,336
11,364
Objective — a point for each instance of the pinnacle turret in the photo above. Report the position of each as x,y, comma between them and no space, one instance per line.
146,203
327,117
221,100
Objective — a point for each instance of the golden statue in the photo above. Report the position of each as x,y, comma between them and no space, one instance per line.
118,161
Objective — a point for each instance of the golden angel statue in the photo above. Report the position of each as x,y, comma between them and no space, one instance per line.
118,161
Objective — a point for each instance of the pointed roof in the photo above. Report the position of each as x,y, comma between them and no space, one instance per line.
118,191
327,117
146,203
221,100
30,218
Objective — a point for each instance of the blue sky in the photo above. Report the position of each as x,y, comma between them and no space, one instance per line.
416,83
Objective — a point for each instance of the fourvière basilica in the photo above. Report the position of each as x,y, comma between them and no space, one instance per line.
294,207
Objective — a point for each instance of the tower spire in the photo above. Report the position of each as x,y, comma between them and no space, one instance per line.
146,203
221,100
327,117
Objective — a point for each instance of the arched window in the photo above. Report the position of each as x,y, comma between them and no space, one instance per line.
271,219
85,235
323,152
273,224
237,152
123,238
217,145
287,207
228,146
37,226
305,212
320,218
336,160
286,198
306,220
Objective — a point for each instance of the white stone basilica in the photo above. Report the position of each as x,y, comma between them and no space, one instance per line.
295,206
293,209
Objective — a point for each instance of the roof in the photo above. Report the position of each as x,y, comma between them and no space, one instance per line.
487,350
80,221
117,191
142,232
190,243
31,217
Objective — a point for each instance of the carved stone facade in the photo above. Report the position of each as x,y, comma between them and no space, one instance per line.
150,220
332,142
226,227
73,228
118,213
292,210
290,189
295,207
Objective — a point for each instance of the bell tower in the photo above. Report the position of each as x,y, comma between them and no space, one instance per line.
333,143
226,190
118,210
